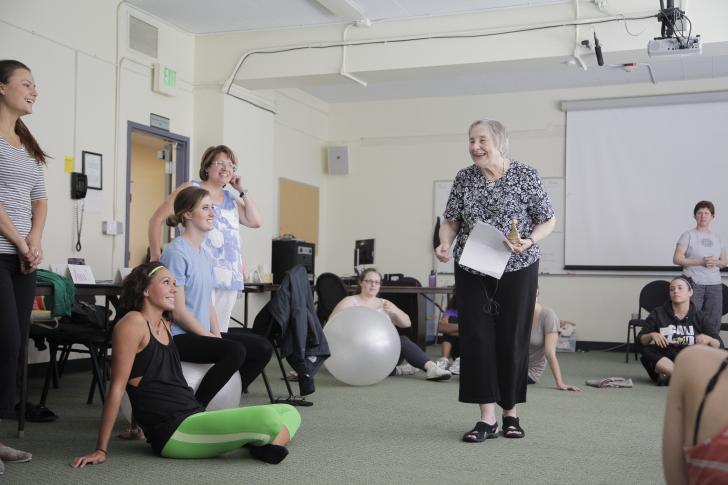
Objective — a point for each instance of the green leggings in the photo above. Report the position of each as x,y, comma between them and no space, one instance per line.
212,433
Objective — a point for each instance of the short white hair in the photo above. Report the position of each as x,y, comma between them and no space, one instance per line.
497,131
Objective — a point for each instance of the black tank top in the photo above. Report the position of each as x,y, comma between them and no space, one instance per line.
163,399
708,389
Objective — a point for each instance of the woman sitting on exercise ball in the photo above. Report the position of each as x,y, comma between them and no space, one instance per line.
370,282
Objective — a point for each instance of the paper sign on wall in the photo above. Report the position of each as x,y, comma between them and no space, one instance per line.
81,274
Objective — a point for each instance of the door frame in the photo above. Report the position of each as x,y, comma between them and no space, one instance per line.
182,166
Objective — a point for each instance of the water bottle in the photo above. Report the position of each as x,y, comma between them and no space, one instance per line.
432,279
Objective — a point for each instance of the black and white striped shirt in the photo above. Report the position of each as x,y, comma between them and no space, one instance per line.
21,182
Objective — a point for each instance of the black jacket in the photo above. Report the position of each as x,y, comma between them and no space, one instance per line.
680,333
300,334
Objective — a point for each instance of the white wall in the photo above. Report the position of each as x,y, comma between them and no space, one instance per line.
71,49
398,148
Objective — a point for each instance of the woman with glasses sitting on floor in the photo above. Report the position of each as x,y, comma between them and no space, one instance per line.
145,363
370,282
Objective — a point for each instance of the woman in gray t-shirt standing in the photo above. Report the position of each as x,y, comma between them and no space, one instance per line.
701,254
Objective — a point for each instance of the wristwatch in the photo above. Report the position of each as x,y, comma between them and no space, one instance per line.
243,193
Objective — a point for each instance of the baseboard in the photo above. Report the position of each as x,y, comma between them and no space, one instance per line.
587,345
39,369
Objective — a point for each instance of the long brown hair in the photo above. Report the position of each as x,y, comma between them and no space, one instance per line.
132,289
7,69
185,202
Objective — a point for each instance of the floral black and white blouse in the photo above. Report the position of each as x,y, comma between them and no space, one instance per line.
518,194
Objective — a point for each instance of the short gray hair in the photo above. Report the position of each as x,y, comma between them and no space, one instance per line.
497,131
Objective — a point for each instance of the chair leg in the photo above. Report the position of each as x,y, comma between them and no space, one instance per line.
626,352
51,374
634,339
283,370
97,377
267,386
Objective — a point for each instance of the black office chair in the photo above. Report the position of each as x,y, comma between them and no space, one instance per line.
652,295
724,326
88,326
330,290
408,303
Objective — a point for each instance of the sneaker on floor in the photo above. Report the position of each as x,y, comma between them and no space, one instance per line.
455,367
443,363
8,454
437,373
405,369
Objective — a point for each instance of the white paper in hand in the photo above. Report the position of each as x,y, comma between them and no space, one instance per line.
486,250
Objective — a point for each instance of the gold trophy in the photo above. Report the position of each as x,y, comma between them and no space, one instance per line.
513,236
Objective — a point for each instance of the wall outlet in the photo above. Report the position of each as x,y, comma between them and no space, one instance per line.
112,228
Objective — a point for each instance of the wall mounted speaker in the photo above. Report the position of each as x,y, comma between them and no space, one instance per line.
338,160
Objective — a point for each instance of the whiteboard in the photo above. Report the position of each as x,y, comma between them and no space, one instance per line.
633,175
552,248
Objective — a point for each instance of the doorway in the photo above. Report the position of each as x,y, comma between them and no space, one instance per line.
157,162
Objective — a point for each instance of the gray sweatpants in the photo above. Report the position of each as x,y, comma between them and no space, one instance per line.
709,299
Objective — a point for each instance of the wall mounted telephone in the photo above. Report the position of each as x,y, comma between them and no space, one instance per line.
79,184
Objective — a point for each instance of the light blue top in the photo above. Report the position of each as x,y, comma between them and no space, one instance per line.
223,243
191,269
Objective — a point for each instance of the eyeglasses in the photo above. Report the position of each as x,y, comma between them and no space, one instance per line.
229,165
373,282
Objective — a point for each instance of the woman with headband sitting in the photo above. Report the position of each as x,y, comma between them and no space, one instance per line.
672,327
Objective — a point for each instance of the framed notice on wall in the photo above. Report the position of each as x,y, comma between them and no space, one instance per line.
92,166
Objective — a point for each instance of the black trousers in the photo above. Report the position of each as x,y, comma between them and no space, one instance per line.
241,351
412,353
17,291
495,318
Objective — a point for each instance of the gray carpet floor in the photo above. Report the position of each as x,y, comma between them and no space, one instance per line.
402,430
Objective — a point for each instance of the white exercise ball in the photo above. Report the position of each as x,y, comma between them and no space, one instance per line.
227,397
364,346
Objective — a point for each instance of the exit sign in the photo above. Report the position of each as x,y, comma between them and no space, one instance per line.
164,80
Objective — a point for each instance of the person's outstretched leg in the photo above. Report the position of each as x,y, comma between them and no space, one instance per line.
212,433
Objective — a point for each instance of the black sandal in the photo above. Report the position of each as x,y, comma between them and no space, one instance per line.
481,432
511,428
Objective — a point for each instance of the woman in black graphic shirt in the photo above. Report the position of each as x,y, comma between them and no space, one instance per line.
495,315
672,327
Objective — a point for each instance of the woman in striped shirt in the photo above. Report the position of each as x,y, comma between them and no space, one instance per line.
23,208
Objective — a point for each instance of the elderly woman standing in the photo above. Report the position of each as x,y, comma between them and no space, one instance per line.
700,252
495,315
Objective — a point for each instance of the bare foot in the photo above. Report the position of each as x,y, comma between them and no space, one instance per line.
133,433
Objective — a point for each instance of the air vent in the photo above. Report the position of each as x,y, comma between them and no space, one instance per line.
143,37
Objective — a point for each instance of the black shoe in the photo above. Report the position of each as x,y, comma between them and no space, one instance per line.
663,380
36,413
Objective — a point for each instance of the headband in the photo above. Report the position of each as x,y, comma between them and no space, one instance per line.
686,279
154,270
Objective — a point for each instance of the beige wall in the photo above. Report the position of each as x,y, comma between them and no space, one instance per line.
397,148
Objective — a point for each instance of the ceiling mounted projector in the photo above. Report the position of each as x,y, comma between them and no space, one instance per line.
674,40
